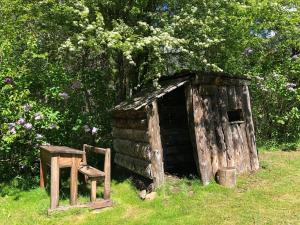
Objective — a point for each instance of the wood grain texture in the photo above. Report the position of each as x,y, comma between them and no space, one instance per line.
201,136
155,143
135,149
250,129
135,165
124,123
131,134
54,182
107,171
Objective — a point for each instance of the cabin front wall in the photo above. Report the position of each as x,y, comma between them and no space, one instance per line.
220,116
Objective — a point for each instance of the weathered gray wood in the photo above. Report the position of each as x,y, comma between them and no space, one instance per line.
74,181
201,138
246,151
250,129
155,143
107,171
130,134
223,106
227,177
134,149
191,124
232,98
136,124
130,114
93,190
238,147
209,116
61,150
136,165
220,81
54,182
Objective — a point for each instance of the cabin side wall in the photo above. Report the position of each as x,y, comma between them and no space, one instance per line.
219,141
137,142
131,141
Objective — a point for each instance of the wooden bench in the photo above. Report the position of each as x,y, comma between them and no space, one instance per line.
93,175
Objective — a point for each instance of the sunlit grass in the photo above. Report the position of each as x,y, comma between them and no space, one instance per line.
270,196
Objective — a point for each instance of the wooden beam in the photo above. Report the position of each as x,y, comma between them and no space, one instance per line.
137,124
155,143
250,129
135,149
135,165
131,134
130,114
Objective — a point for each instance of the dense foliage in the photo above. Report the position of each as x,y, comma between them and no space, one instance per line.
65,63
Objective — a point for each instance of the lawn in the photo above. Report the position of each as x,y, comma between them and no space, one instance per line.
270,196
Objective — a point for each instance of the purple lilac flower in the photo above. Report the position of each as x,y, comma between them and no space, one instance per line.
86,128
38,116
76,84
27,107
248,51
21,121
64,95
8,80
94,130
28,126
13,130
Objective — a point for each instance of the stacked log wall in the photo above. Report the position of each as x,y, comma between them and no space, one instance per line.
131,141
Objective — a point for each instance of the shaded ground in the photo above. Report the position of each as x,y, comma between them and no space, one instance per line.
271,196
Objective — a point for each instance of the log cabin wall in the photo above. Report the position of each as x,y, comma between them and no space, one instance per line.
223,126
176,142
132,142
217,120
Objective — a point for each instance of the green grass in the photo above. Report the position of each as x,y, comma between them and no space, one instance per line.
270,196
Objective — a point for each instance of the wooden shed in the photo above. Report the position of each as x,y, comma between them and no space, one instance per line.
192,120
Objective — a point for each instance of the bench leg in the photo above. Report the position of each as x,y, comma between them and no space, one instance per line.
93,190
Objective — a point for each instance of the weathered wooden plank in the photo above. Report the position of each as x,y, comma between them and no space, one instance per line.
237,145
220,81
232,98
246,151
223,106
208,90
134,149
190,116
54,182
209,116
107,171
130,134
136,124
156,146
201,138
130,114
250,129
135,165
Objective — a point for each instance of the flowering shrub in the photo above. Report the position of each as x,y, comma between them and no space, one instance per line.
65,64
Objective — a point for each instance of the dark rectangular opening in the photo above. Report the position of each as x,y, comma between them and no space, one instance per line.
235,115
176,142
